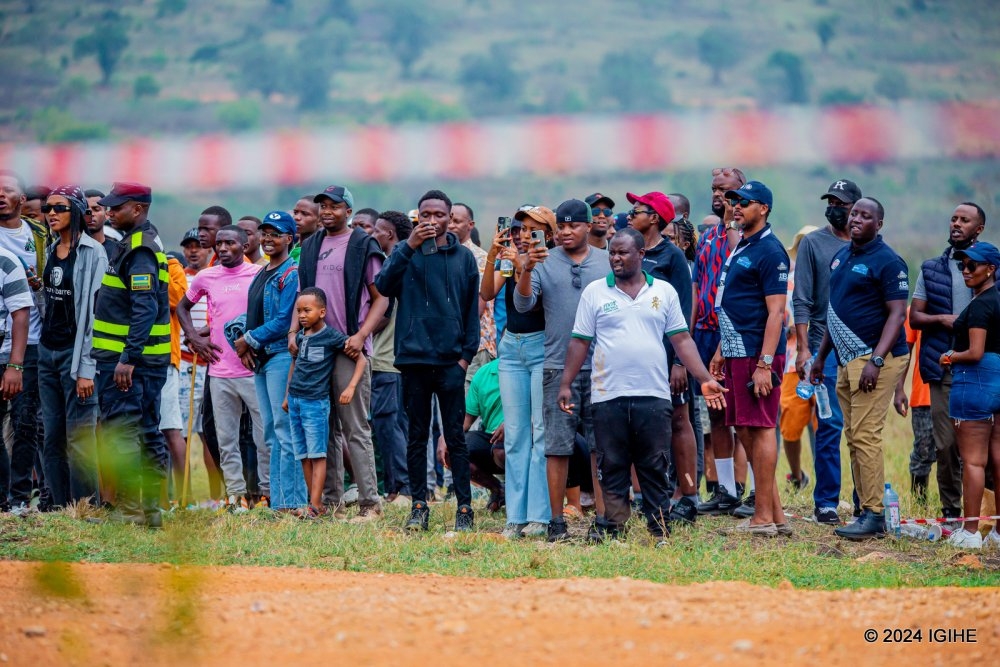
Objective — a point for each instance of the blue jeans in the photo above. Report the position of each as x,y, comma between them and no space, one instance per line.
288,486
827,443
69,453
521,359
310,422
389,434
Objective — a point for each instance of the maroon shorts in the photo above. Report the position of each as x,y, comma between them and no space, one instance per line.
743,407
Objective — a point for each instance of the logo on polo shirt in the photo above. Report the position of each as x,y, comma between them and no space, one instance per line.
860,268
610,307
655,303
904,281
835,264
744,262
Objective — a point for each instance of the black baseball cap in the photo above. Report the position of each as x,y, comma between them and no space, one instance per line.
593,199
573,210
189,236
844,190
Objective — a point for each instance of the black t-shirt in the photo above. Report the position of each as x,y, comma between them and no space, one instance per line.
982,313
255,298
518,322
59,322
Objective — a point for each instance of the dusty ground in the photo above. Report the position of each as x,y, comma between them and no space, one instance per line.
89,614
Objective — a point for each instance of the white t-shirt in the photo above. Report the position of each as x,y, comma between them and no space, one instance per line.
14,294
21,243
629,357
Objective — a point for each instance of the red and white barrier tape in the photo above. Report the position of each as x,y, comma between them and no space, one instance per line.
556,145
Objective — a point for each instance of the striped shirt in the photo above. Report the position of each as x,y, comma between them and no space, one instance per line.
710,256
14,293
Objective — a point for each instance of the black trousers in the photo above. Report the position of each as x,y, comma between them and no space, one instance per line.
25,423
420,383
634,431
130,426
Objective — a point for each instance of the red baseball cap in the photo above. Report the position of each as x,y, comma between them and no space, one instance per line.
124,191
657,201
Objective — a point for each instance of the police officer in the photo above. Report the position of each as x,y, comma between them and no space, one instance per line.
132,350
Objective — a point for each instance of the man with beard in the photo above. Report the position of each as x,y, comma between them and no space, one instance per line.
602,212
713,248
939,297
810,298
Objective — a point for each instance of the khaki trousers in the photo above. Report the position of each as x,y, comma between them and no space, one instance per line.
864,418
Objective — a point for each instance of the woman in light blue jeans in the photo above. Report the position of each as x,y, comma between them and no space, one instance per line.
265,348
521,353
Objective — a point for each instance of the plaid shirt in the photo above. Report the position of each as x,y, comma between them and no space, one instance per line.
710,256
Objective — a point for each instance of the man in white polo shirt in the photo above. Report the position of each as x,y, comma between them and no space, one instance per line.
626,316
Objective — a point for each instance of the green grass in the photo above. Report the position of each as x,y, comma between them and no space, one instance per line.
813,559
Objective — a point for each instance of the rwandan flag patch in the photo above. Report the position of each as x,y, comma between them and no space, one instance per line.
142,282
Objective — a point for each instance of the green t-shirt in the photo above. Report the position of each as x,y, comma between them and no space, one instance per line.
483,399
295,252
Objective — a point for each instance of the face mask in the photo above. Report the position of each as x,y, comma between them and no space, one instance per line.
837,217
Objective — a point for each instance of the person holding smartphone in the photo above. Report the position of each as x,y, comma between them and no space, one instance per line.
521,360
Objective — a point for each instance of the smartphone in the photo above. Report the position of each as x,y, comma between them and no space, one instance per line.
429,246
775,383
503,225
538,237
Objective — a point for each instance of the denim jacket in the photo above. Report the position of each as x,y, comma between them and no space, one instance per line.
279,306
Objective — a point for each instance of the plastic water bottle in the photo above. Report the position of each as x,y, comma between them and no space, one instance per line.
804,389
891,503
823,408
506,267
931,533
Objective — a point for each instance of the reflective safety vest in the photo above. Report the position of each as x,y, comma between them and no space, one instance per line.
113,316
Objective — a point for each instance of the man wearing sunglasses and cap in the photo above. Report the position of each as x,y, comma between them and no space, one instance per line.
602,219
132,351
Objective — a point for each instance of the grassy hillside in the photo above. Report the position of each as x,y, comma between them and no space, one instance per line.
194,66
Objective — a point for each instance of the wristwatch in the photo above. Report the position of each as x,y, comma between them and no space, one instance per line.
732,225
765,361
878,361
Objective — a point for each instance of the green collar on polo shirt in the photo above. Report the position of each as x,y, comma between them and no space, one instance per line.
611,279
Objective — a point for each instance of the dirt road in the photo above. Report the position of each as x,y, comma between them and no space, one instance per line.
91,614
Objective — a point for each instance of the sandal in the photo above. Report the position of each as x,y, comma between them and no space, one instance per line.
497,500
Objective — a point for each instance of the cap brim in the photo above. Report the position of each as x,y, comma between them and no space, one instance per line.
838,197
609,200
334,198
731,194
633,198
112,200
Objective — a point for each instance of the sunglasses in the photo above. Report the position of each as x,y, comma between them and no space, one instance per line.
635,211
606,212
58,208
742,202
969,264
577,272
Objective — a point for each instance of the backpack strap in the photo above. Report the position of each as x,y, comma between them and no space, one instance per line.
281,280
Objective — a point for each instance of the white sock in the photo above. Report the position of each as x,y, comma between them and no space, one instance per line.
750,483
727,476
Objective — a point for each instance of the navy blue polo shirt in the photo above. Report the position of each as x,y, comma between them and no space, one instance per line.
862,281
757,268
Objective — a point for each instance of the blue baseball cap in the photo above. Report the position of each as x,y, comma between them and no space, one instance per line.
754,191
280,220
981,252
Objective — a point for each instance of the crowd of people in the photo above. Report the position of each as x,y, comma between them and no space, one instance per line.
330,356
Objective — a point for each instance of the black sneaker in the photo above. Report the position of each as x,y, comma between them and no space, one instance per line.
684,511
720,503
710,487
420,516
464,519
868,526
747,507
601,531
557,530
826,515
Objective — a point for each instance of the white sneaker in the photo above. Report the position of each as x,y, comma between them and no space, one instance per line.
513,531
22,510
963,539
351,495
237,504
535,529
992,540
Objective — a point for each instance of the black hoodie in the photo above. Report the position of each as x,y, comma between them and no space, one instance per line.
437,321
